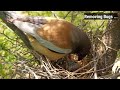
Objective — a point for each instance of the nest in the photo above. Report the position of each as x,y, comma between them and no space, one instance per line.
41,68
30,65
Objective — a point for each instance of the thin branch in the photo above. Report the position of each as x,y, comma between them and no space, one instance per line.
66,14
54,14
95,69
110,76
36,77
106,47
83,67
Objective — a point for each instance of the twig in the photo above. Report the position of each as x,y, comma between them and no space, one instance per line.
54,14
36,77
95,69
47,69
110,76
67,14
107,46
83,67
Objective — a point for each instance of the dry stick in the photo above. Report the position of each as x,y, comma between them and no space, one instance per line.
83,67
45,64
95,62
49,64
89,71
111,76
95,67
97,70
36,77
107,47
49,67
42,74
95,59
46,68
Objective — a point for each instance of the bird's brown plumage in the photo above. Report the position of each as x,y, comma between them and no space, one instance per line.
62,34
65,35
57,32
45,51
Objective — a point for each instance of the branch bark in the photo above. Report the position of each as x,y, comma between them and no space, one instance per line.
111,44
16,30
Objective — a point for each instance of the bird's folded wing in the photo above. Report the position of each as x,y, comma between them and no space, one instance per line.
32,25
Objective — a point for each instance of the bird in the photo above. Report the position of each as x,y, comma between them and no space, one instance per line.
52,37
